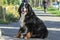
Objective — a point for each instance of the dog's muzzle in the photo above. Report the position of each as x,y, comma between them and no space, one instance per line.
23,10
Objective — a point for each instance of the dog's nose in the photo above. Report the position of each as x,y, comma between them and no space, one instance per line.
24,9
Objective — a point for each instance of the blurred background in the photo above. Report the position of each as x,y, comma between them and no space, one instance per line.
9,8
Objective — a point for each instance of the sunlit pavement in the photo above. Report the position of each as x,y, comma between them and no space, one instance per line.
12,38
52,23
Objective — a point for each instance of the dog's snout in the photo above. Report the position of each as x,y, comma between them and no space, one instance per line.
23,9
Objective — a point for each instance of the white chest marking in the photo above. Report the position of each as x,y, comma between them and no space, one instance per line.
22,23
22,19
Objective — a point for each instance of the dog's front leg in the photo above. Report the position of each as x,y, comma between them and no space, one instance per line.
21,30
28,35
18,35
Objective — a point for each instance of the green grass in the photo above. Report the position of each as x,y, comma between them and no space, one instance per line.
3,22
37,8
54,11
51,10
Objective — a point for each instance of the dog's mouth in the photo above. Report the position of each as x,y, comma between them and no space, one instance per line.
23,11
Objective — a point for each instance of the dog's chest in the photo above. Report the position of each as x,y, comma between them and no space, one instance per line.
22,23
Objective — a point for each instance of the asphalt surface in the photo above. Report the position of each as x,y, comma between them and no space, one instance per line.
50,22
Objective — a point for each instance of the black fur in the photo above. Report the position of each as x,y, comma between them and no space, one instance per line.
35,25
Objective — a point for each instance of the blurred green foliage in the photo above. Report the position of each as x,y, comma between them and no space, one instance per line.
11,18
53,11
1,12
12,13
8,2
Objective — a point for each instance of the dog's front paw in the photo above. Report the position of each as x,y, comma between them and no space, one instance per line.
25,38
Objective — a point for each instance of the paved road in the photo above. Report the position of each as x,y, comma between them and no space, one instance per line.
50,22
11,38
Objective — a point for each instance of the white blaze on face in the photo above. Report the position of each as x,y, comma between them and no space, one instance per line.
24,7
22,19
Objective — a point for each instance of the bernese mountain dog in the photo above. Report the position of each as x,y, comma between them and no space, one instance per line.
31,25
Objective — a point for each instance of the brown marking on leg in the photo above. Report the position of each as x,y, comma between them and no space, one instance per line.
18,35
28,35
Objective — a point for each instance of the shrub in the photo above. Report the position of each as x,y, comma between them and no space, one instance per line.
11,17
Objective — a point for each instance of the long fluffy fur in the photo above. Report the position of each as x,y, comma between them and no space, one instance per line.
35,25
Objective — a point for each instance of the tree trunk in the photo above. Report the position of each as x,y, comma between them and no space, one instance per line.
1,12
50,2
37,3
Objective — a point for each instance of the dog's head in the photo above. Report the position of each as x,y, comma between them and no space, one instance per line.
25,8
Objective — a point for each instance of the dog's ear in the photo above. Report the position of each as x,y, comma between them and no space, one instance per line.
31,10
19,10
